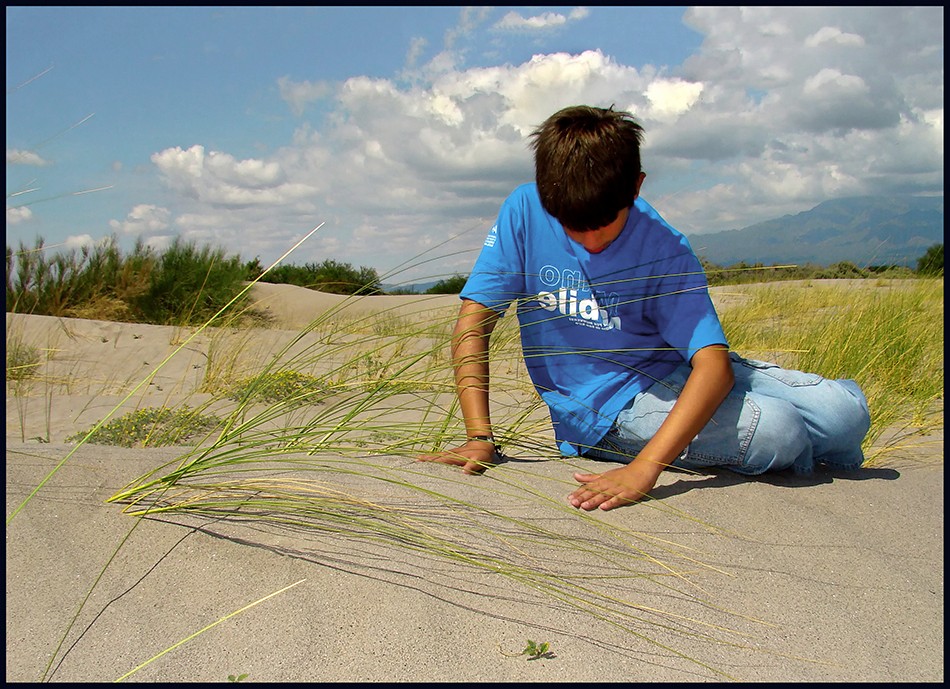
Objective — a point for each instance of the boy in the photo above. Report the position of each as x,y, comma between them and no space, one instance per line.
620,337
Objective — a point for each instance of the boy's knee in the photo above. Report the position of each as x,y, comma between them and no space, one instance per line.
847,422
780,440
851,411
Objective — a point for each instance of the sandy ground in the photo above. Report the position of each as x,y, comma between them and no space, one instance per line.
834,578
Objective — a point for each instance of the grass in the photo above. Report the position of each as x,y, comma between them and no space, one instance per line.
150,427
23,359
241,470
888,337
25,363
185,284
345,398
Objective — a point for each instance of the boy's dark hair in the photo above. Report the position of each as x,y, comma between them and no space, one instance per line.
587,164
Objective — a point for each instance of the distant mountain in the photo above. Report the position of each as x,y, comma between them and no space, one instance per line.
866,230
415,288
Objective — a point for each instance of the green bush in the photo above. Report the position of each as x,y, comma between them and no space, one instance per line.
452,285
65,282
189,285
842,269
330,276
184,285
931,263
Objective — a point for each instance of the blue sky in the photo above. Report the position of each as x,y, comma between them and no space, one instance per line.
403,129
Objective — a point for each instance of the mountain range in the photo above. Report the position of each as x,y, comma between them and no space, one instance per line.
865,230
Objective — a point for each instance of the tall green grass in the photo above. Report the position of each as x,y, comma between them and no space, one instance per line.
183,285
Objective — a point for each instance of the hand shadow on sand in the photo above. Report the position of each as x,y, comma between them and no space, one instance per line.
719,478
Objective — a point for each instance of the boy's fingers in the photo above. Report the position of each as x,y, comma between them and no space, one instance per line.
589,497
583,496
616,501
586,478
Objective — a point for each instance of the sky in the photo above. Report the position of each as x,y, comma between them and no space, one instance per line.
399,131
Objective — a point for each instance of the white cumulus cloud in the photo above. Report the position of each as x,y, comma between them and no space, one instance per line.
19,157
143,219
672,97
80,240
831,34
219,178
18,214
513,21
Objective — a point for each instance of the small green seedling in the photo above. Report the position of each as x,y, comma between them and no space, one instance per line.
534,650
237,678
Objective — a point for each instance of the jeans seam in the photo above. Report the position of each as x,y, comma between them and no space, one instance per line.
756,413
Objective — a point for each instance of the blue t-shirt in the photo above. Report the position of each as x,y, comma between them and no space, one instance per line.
596,328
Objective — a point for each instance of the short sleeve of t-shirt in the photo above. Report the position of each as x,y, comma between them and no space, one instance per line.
498,276
681,308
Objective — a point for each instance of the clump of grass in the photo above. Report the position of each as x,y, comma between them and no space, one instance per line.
183,285
388,325
23,359
151,427
24,362
279,386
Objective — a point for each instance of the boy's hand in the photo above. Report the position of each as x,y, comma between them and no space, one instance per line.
614,488
474,456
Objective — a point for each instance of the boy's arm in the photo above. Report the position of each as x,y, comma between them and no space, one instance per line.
707,386
470,341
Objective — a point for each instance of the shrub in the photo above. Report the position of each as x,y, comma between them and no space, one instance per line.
843,269
182,286
931,263
452,285
189,285
151,427
330,276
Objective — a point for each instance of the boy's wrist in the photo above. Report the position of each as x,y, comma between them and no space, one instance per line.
648,465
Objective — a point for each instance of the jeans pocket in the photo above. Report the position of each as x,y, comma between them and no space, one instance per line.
726,439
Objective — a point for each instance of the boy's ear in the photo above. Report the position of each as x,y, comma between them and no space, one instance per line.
639,184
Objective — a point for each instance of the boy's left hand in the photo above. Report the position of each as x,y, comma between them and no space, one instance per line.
621,486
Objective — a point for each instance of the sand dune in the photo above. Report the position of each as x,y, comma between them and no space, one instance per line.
834,578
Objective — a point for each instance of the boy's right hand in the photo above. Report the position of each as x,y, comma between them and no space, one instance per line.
474,456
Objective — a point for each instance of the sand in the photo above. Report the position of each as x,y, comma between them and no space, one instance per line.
838,577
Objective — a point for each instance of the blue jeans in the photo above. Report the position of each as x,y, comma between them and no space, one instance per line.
773,419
